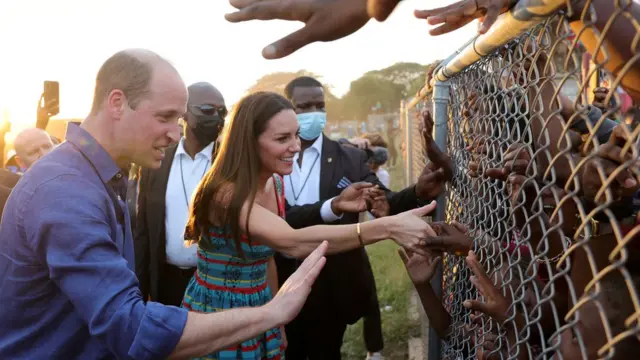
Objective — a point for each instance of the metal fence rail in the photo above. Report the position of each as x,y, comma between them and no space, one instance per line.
547,181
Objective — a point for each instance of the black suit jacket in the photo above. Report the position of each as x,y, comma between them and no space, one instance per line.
4,195
8,179
346,283
150,233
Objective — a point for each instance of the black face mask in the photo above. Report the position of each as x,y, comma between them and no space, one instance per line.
207,128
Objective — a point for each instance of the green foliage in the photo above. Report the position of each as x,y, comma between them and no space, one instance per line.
394,289
377,91
382,90
276,82
410,76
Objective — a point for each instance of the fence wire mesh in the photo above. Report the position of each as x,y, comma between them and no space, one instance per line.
544,136
412,143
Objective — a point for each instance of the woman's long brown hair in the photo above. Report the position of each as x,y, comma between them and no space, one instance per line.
238,163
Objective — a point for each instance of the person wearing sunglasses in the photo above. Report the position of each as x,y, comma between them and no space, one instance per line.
163,264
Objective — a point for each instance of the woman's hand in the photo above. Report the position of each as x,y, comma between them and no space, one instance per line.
409,230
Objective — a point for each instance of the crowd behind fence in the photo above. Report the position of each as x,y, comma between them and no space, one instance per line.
544,142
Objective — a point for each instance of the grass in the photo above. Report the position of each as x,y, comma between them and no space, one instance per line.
394,289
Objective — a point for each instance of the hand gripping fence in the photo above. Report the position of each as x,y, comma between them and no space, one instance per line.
538,116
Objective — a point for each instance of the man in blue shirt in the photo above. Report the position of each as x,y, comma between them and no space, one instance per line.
67,283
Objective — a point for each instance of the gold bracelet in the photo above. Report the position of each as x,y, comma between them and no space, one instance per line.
359,234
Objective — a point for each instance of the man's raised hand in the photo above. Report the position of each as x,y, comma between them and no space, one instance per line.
325,20
288,302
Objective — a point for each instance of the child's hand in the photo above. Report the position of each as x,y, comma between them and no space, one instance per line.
420,268
495,305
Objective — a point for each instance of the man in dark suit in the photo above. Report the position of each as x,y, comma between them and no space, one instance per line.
344,290
164,265
4,195
7,181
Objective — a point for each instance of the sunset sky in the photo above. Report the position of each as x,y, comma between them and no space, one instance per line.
67,41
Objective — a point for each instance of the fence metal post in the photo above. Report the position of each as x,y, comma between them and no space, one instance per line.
408,127
440,103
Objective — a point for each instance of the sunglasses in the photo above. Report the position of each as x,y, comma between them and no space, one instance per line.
209,110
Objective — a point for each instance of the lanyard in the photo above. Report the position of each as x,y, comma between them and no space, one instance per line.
293,190
184,187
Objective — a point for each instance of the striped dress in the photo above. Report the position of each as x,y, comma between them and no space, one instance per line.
224,280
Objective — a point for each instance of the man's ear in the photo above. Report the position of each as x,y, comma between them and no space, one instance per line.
20,162
115,103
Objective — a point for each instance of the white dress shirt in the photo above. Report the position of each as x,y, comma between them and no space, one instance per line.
383,176
184,176
297,193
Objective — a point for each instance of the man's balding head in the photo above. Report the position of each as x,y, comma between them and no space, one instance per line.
31,145
205,116
139,97
204,93
128,70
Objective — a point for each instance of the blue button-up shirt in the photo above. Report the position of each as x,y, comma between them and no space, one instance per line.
68,289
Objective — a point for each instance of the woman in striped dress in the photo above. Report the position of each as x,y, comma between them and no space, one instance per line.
237,220
226,280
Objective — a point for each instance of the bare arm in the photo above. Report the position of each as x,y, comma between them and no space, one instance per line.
104,292
408,229
273,231
439,318
421,270
207,333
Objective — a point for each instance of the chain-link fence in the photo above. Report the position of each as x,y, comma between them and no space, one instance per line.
543,133
412,142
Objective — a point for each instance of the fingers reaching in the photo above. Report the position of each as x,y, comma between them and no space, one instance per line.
476,305
310,262
312,275
381,9
425,210
362,185
480,279
290,43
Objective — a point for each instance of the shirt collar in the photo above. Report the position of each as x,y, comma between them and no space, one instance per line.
206,152
93,151
318,144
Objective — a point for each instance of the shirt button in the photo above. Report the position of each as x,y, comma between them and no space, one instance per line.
118,176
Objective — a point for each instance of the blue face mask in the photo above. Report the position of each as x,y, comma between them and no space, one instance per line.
312,124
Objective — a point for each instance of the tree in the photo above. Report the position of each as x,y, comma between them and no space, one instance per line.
276,82
382,90
410,76
371,94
